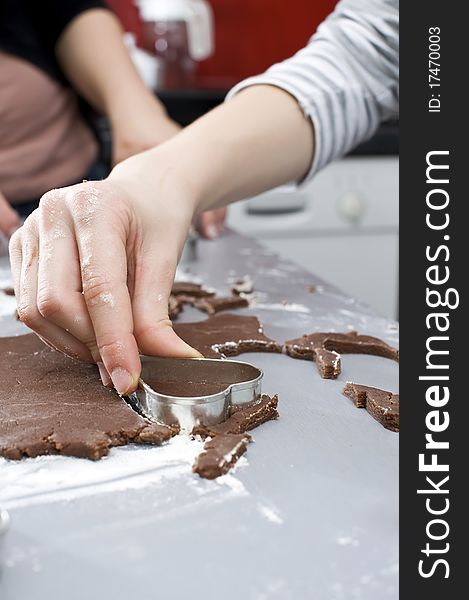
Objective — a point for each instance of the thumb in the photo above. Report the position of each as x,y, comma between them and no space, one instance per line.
153,328
9,218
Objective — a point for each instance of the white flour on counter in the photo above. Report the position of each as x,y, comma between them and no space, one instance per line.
271,514
7,303
62,478
184,276
281,306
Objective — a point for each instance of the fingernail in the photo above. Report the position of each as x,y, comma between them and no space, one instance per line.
211,231
105,377
122,380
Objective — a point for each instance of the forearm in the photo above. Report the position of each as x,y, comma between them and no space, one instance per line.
93,56
259,140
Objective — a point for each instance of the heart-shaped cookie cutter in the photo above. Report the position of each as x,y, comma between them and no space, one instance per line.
215,387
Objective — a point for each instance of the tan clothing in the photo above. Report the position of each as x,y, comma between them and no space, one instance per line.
44,141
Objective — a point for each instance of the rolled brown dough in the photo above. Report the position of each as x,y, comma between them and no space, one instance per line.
50,404
226,335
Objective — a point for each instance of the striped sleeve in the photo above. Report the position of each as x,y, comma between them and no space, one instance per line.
346,78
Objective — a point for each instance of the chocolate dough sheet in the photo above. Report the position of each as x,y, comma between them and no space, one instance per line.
226,335
51,404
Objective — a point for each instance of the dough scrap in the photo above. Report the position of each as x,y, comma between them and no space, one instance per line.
195,295
243,419
51,404
227,441
382,405
185,292
215,304
220,454
325,349
187,288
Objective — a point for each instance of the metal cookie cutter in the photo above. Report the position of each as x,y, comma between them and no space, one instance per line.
190,391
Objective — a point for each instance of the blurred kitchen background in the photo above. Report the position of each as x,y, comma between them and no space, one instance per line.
344,226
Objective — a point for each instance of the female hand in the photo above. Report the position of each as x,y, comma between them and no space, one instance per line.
94,264
93,268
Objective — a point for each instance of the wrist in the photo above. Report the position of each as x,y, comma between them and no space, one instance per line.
155,174
197,161
131,103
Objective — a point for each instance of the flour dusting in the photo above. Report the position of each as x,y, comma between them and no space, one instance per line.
271,514
48,479
284,306
7,303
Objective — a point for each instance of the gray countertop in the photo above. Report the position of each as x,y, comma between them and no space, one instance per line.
311,513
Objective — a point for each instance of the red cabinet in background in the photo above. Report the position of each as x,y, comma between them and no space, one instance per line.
250,35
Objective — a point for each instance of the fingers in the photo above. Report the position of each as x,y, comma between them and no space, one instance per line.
25,255
210,224
101,231
153,280
9,218
73,262
59,288
16,258
60,299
